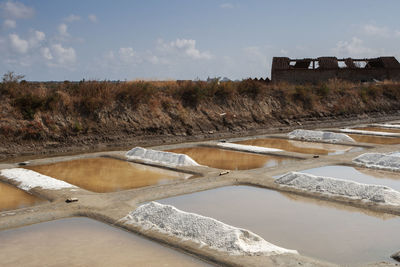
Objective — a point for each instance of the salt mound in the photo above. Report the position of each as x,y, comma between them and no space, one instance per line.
379,161
248,148
365,132
393,126
162,157
395,154
202,230
311,135
339,187
30,179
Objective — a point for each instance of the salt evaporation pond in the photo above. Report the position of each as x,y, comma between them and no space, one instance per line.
300,146
381,140
316,228
231,160
12,198
106,174
84,242
358,174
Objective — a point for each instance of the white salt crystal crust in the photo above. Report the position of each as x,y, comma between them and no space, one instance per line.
30,179
380,161
339,187
160,157
202,230
311,135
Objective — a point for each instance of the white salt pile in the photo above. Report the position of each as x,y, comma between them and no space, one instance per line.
395,154
161,157
240,147
339,187
355,131
202,230
310,135
393,126
30,179
381,161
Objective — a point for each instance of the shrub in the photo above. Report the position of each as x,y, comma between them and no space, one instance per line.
303,94
249,87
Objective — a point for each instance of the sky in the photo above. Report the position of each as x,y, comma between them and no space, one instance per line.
186,39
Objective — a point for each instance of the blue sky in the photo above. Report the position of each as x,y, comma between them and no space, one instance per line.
186,39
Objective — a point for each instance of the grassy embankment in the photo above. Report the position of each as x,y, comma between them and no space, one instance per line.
57,111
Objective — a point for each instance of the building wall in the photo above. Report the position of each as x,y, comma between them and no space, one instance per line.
318,75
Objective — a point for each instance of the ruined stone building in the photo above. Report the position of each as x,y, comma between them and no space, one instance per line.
314,70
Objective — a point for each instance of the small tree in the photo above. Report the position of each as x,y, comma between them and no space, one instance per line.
11,77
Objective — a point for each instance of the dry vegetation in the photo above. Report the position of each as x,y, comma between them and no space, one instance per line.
57,111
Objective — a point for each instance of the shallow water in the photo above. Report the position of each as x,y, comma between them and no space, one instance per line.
84,242
12,198
231,160
360,175
107,175
375,139
299,146
378,129
315,228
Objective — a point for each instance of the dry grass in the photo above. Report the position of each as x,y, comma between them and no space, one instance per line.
87,98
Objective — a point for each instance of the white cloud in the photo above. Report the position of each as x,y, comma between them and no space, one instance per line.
19,45
10,24
40,36
374,30
63,29
46,53
186,47
72,18
226,6
16,10
127,55
36,38
126,52
92,18
63,55
354,47
284,52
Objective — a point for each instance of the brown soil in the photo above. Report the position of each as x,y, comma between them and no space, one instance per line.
164,119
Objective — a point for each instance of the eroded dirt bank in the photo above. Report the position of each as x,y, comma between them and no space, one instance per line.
43,119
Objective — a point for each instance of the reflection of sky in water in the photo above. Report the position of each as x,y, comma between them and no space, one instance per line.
231,160
84,242
320,229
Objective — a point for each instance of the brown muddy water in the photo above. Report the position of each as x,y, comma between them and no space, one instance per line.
378,129
84,242
107,175
360,175
12,198
300,146
231,160
315,228
375,139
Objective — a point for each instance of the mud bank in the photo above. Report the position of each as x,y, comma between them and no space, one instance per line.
70,120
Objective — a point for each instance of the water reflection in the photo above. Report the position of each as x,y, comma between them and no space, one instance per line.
375,139
84,242
12,198
298,146
231,160
338,234
106,175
